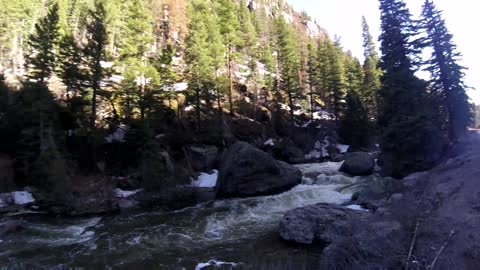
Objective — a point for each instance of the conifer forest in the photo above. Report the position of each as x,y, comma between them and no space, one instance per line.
183,134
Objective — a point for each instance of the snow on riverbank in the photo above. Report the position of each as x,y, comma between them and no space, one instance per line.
16,198
206,180
126,193
214,263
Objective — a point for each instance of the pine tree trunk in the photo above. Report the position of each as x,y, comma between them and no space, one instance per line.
218,98
230,80
197,92
290,101
311,102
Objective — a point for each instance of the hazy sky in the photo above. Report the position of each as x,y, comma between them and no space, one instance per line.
343,18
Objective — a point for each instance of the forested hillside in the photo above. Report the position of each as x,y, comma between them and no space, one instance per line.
96,89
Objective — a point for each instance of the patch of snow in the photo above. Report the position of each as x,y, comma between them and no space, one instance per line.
323,115
284,107
118,135
343,148
105,64
22,197
179,87
356,207
189,108
214,263
298,112
269,142
125,193
206,180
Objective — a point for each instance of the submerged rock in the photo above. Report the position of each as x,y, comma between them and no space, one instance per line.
247,171
358,164
9,226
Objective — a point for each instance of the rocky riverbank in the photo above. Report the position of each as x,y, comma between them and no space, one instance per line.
429,220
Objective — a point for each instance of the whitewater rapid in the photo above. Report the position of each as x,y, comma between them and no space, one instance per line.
223,232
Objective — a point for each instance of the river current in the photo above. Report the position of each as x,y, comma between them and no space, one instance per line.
223,234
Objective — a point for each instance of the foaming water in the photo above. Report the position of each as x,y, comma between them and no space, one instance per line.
242,232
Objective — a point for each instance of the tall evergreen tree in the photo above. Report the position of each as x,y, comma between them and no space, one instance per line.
407,117
447,75
336,79
137,40
312,76
323,69
372,73
288,61
229,27
41,60
94,53
217,53
197,54
70,61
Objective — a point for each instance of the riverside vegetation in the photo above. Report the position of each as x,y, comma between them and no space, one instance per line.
140,105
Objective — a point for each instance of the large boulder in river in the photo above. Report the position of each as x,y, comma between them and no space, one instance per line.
325,223
247,171
358,163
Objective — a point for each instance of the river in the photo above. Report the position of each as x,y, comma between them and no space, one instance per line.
232,234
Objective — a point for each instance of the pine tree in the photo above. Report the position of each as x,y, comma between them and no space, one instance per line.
70,61
447,75
94,53
249,41
42,46
407,117
323,69
353,73
372,73
137,40
229,28
336,79
288,62
312,76
217,52
197,54
354,124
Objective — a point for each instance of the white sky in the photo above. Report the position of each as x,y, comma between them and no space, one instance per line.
343,18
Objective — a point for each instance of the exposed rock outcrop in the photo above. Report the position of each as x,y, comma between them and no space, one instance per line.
247,171
202,157
325,223
358,163
439,207
375,193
